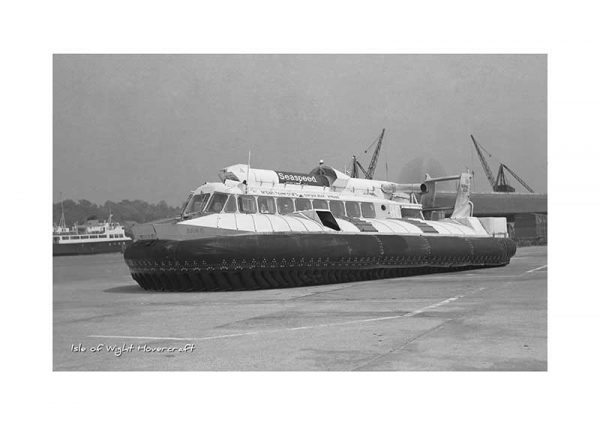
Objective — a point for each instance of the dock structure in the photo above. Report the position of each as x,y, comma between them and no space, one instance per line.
526,213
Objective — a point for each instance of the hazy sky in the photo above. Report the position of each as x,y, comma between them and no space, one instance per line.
153,127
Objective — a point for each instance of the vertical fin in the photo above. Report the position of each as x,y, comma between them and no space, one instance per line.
463,207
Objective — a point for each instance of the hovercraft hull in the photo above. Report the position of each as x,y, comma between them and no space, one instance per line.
282,260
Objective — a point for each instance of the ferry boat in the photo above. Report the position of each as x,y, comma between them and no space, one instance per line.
270,229
93,237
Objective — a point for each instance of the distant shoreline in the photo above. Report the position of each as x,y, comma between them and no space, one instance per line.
125,212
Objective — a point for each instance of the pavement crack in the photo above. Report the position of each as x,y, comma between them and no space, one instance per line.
403,346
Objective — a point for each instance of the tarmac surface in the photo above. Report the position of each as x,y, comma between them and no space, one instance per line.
487,319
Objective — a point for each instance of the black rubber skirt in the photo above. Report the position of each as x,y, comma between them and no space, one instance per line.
259,261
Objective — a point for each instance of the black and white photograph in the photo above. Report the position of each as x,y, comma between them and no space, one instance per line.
300,212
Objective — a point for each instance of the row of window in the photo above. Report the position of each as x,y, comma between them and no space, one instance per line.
90,237
249,204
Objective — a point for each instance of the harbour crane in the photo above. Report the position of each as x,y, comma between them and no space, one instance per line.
369,172
501,179
499,184
486,167
355,167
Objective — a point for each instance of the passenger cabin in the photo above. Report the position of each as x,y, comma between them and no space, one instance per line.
257,191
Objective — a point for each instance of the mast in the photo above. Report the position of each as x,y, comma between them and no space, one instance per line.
354,167
248,172
62,223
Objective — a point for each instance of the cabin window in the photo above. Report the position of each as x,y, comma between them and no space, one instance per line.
337,208
197,203
352,209
368,209
247,204
303,204
266,205
285,205
412,213
217,202
320,204
55,239
230,206
185,203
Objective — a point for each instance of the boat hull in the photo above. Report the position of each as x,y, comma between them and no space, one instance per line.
89,248
263,261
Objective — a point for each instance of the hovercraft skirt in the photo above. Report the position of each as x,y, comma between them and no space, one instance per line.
287,260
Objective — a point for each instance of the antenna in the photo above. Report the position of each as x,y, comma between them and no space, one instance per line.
386,166
62,223
248,171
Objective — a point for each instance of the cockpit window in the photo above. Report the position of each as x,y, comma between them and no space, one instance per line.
230,205
352,209
320,204
197,204
368,210
185,203
217,202
412,213
247,204
303,204
266,205
285,205
337,208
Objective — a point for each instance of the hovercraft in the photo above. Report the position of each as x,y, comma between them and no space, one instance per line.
262,229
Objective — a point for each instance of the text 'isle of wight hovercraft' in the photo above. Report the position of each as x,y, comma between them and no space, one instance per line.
260,229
